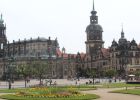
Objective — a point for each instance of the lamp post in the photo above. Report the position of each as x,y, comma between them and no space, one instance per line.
78,75
50,64
124,63
10,72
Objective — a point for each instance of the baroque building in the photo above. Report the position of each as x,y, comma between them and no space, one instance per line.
124,53
39,47
63,65
94,44
37,50
119,56
94,31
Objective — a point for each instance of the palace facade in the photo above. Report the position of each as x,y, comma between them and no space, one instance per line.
63,65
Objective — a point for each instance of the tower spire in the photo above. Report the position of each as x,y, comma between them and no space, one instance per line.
93,12
93,6
93,17
1,16
122,27
122,33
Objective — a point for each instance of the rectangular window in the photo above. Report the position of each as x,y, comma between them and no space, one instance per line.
1,46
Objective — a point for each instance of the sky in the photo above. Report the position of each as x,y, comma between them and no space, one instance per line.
67,20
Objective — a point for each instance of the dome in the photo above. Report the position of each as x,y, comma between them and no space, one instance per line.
133,42
114,43
123,44
1,21
122,41
93,27
1,25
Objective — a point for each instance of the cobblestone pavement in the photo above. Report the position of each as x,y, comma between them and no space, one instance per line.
105,95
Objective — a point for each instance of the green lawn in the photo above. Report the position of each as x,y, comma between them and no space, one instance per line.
79,88
49,93
129,91
85,97
12,90
116,85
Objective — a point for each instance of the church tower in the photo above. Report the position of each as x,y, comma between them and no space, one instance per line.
94,35
3,39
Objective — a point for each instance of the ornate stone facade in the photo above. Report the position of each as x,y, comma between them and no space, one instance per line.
39,50
63,65
95,52
124,53
39,47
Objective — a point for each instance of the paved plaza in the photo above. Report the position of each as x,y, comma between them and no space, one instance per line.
59,82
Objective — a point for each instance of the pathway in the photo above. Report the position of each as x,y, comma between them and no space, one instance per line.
3,94
105,95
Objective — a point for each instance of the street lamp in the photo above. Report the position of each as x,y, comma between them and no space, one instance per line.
124,63
10,72
50,64
77,75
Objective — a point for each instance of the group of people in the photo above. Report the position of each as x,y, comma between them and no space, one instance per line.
50,82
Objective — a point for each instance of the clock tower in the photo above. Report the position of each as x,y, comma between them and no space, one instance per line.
94,31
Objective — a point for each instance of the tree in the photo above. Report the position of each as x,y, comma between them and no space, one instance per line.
40,70
137,74
25,71
110,73
92,73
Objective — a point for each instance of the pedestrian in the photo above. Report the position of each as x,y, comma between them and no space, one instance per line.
46,82
55,83
50,82
76,82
